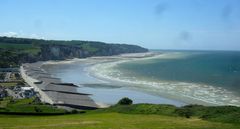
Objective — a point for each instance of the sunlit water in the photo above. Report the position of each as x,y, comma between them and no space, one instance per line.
210,78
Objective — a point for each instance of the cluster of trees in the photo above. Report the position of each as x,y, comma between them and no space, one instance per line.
13,58
125,101
8,58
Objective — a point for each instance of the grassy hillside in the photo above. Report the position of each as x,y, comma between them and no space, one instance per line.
137,116
224,114
109,121
14,51
27,106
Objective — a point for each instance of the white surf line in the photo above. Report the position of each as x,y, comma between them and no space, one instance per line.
212,100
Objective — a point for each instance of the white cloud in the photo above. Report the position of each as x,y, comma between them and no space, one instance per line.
9,34
21,35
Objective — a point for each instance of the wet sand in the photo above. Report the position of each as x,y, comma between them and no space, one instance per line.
103,92
53,91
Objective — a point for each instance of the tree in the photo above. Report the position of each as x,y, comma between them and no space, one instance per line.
37,109
125,101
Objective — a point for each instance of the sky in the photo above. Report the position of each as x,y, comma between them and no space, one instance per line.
154,24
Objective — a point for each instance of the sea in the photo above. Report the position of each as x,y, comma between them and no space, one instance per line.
169,77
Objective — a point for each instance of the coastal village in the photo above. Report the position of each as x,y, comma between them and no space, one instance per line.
53,91
12,85
30,81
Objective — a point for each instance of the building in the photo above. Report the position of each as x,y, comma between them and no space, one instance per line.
27,92
3,92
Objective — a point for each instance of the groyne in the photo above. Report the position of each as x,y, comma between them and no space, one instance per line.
52,90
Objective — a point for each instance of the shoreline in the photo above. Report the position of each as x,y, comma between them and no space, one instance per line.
30,81
121,56
53,91
99,60
113,60
32,74
184,96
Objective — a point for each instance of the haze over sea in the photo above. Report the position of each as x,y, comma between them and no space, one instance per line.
173,77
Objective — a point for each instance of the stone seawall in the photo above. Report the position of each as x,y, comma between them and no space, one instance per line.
31,81
53,91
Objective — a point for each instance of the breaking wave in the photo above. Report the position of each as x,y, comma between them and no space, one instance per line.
193,93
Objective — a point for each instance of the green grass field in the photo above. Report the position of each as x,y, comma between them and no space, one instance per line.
8,84
27,106
137,116
28,48
108,121
15,46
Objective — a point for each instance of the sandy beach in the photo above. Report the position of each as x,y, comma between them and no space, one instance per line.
104,91
53,91
99,77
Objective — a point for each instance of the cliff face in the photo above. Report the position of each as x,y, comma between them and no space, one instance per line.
14,51
60,52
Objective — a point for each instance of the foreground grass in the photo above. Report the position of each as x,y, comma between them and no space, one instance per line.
8,84
107,121
224,114
137,116
27,106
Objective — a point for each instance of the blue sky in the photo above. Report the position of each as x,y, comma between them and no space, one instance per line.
155,24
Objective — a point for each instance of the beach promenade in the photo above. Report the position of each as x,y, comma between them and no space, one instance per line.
52,90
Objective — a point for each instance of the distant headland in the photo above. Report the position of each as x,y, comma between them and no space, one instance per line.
25,50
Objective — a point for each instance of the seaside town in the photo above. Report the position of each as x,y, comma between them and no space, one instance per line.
30,81
12,85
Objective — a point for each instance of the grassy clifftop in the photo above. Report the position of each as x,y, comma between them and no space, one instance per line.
139,116
29,113
14,51
224,114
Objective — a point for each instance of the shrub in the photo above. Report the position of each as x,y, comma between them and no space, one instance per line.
74,111
184,112
37,109
125,101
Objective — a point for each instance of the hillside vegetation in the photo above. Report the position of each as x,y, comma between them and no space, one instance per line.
224,114
27,106
137,116
14,51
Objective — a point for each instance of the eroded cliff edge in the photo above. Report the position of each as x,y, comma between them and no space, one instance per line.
14,51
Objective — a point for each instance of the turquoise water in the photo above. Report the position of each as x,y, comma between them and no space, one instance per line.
173,77
101,92
216,68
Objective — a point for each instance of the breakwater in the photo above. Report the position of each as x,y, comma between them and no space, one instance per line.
52,90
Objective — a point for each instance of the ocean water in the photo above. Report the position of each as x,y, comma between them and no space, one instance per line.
172,77
217,68
102,91
201,77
